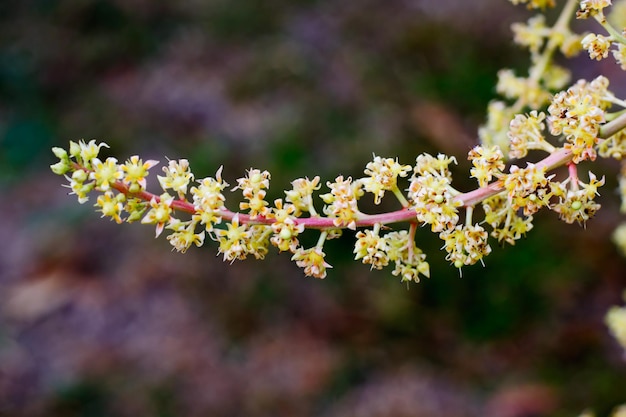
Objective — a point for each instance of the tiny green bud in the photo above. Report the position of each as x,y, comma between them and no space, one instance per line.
458,263
60,153
438,199
285,234
424,269
256,178
60,167
576,205
135,215
74,149
79,175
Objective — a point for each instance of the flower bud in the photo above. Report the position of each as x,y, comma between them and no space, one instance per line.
74,149
79,176
60,167
60,153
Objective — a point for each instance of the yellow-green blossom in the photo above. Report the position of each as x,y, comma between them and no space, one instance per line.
285,227
208,200
111,205
184,235
383,176
105,173
488,163
312,261
535,4
371,248
531,35
597,46
301,194
177,177
465,245
159,213
79,186
234,240
135,173
342,201
409,260
85,152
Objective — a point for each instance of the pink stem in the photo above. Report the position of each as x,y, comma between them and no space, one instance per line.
558,158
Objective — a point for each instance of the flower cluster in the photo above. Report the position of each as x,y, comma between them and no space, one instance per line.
253,187
576,199
527,188
431,192
372,248
342,201
525,133
577,114
488,164
465,245
408,259
507,225
122,196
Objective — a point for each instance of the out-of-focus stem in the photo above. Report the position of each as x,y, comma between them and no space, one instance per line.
613,126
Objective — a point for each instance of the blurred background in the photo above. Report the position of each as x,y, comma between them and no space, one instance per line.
98,319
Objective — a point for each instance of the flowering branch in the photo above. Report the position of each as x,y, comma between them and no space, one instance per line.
508,197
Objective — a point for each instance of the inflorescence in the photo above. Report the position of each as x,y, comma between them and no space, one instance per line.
570,126
535,113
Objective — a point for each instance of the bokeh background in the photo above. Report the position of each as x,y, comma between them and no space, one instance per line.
98,319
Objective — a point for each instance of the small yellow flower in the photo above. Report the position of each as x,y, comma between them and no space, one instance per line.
371,248
488,163
433,201
312,261
85,152
234,240
79,186
535,4
135,173
383,176
111,205
253,182
342,201
592,8
159,213
301,195
184,235
208,200
105,173
596,45
177,177
285,228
